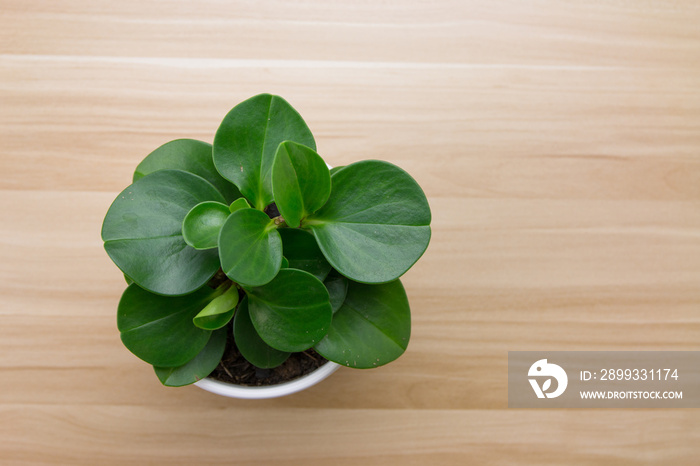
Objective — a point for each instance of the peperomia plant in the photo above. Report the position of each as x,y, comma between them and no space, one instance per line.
255,238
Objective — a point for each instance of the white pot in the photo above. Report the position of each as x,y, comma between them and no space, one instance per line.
269,391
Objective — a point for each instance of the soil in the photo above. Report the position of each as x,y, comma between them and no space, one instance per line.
272,211
233,368
218,279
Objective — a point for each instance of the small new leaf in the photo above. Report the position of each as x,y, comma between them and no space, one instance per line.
202,224
250,247
219,311
301,182
238,204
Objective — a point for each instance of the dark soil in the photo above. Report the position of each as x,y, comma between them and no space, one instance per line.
218,279
233,368
272,211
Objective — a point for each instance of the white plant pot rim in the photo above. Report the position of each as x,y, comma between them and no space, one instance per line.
270,391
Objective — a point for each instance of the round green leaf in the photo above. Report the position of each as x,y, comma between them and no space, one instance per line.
334,170
337,287
191,156
159,329
376,223
371,328
247,139
198,368
301,182
249,343
219,311
292,312
250,247
302,252
285,263
238,204
202,224
143,232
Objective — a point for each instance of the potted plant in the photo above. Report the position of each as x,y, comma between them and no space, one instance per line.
252,247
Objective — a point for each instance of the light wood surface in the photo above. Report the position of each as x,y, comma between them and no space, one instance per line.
558,143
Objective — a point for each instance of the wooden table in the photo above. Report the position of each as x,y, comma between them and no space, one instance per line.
558,144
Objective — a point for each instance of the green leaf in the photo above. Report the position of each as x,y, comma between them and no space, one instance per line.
219,311
238,204
191,156
302,252
301,182
128,280
337,287
250,247
202,224
143,232
371,328
249,343
292,312
247,139
334,170
159,329
198,368
285,263
376,223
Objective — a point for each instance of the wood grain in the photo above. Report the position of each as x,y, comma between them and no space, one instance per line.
557,143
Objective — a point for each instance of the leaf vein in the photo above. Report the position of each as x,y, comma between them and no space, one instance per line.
346,305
